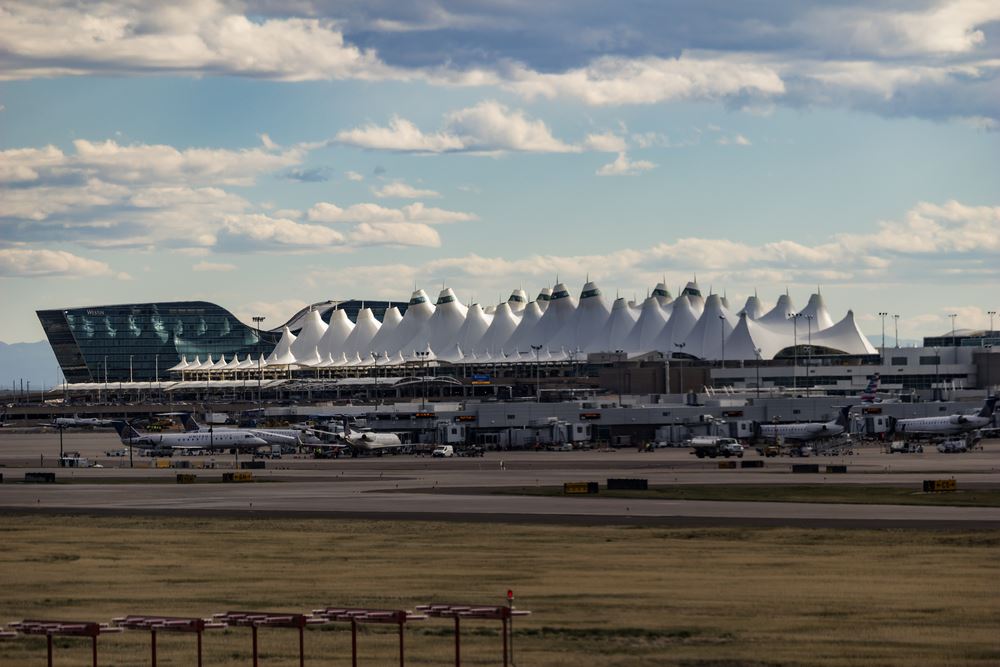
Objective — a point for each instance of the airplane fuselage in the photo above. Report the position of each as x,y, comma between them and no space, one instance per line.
950,425
200,440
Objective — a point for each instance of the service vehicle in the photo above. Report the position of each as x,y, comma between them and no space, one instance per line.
713,447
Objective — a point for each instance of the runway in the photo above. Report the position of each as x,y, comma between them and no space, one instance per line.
410,488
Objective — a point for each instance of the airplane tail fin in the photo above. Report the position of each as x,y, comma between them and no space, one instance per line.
844,418
125,430
988,407
189,423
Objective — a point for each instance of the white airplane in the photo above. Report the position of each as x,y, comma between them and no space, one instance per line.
807,431
949,425
199,440
364,440
87,422
273,436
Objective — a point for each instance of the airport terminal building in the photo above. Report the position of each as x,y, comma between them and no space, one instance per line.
657,346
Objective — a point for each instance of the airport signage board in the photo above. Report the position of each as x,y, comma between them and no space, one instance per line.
590,416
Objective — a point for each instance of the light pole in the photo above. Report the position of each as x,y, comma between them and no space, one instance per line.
375,370
621,374
257,319
795,349
988,348
756,352
882,351
422,356
992,314
156,372
809,352
680,350
895,323
722,335
937,379
954,343
538,387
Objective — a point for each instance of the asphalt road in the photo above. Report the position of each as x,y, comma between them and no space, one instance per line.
402,487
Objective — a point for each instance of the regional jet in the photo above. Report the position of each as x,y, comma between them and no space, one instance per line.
75,420
950,425
360,441
273,436
200,440
808,431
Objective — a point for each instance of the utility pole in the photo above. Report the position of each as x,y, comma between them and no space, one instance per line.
756,353
257,319
538,387
795,349
680,350
954,342
895,322
882,351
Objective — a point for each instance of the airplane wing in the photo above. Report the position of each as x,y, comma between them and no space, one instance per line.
271,436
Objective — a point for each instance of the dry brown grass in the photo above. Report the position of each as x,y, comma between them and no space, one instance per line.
610,596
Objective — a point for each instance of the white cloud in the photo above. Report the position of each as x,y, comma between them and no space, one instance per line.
327,212
623,166
262,232
608,142
32,263
488,127
838,260
979,123
175,38
735,140
213,266
613,80
403,234
354,176
401,190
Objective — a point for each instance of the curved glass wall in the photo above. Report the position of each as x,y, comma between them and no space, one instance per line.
141,341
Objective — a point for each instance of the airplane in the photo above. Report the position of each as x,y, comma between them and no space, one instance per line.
950,425
86,422
199,440
360,441
870,394
273,436
808,431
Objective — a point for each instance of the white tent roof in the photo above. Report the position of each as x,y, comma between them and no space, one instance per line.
777,317
313,328
311,358
248,363
543,298
749,336
476,324
715,323
844,336
523,335
336,334
412,329
584,328
753,308
648,327
820,316
695,300
234,363
518,300
682,320
662,294
555,318
447,320
194,365
370,334
504,323
282,354
179,366
618,327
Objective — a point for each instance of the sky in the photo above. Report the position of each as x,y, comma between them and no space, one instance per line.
265,155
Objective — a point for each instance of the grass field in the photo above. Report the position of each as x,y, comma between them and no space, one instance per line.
619,596
789,493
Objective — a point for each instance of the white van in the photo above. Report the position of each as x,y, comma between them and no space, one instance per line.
443,452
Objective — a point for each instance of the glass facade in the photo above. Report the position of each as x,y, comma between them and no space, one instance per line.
141,341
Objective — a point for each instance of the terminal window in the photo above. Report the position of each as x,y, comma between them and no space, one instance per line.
900,361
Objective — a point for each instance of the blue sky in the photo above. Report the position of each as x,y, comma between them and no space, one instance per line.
264,158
